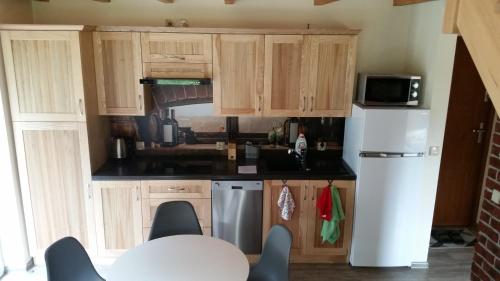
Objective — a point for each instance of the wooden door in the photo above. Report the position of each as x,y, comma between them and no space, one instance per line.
298,224
54,171
44,75
314,241
285,75
118,216
465,145
331,73
118,71
238,74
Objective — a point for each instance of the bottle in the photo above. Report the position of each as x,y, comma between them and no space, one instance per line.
168,130
175,128
301,145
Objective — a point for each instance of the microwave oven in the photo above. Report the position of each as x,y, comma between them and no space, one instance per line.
389,90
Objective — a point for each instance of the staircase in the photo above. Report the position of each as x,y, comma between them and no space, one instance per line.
478,21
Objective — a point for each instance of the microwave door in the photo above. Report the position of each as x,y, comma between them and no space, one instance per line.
387,90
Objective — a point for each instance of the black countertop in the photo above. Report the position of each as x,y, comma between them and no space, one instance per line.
276,165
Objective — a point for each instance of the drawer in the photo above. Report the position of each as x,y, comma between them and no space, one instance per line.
207,231
177,70
176,189
176,47
202,207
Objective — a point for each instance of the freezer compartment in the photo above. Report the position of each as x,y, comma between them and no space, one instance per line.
386,213
237,214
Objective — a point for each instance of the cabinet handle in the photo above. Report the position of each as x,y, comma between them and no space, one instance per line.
140,102
80,105
305,194
137,193
176,57
304,105
314,191
312,102
260,103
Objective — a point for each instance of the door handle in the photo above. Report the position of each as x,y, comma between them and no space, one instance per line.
480,132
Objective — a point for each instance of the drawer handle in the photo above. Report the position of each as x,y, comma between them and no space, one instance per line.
176,57
172,188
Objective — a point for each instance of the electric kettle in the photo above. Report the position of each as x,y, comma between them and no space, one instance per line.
119,148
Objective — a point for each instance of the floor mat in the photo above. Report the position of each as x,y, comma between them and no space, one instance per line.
452,238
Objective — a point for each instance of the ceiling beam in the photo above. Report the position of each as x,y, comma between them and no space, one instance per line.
322,2
408,2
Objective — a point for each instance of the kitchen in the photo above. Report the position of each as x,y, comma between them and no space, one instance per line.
175,155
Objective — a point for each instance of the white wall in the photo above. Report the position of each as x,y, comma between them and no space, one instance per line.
432,54
382,45
12,230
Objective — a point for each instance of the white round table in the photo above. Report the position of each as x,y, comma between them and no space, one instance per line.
181,258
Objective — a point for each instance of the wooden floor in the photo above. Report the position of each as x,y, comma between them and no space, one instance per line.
444,265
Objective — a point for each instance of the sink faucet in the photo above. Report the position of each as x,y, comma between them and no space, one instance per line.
300,157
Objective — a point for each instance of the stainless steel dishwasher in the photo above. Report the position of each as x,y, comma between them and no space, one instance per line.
237,214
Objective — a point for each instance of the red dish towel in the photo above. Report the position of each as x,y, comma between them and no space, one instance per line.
324,204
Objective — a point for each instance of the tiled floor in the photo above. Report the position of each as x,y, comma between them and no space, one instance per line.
444,265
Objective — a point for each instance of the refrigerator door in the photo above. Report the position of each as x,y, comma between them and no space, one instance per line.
395,130
386,215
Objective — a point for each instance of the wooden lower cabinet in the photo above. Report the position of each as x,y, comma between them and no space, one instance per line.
54,172
196,192
118,216
305,224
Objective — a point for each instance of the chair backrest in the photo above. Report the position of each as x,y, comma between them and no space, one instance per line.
275,258
175,218
66,259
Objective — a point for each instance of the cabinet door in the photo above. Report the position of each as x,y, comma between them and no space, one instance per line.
331,73
238,74
314,244
118,216
298,223
118,71
176,47
44,75
284,75
54,171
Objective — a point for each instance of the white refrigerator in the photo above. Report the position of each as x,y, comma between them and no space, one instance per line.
386,148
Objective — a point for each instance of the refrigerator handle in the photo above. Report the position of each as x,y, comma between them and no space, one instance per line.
369,154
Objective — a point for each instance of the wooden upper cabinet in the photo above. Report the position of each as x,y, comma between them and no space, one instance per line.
284,75
177,55
118,216
177,47
44,75
54,172
331,73
118,71
238,73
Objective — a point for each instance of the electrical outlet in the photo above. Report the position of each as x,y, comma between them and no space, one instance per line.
434,150
495,196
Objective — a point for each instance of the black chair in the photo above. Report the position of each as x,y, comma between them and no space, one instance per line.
174,218
66,260
275,258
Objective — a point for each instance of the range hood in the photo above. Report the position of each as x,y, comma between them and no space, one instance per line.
175,81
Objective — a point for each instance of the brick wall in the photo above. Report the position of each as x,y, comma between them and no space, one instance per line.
486,263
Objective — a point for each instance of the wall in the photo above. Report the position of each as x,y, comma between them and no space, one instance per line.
486,261
382,45
12,232
15,11
432,54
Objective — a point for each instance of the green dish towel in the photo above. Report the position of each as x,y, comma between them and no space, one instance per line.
331,229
